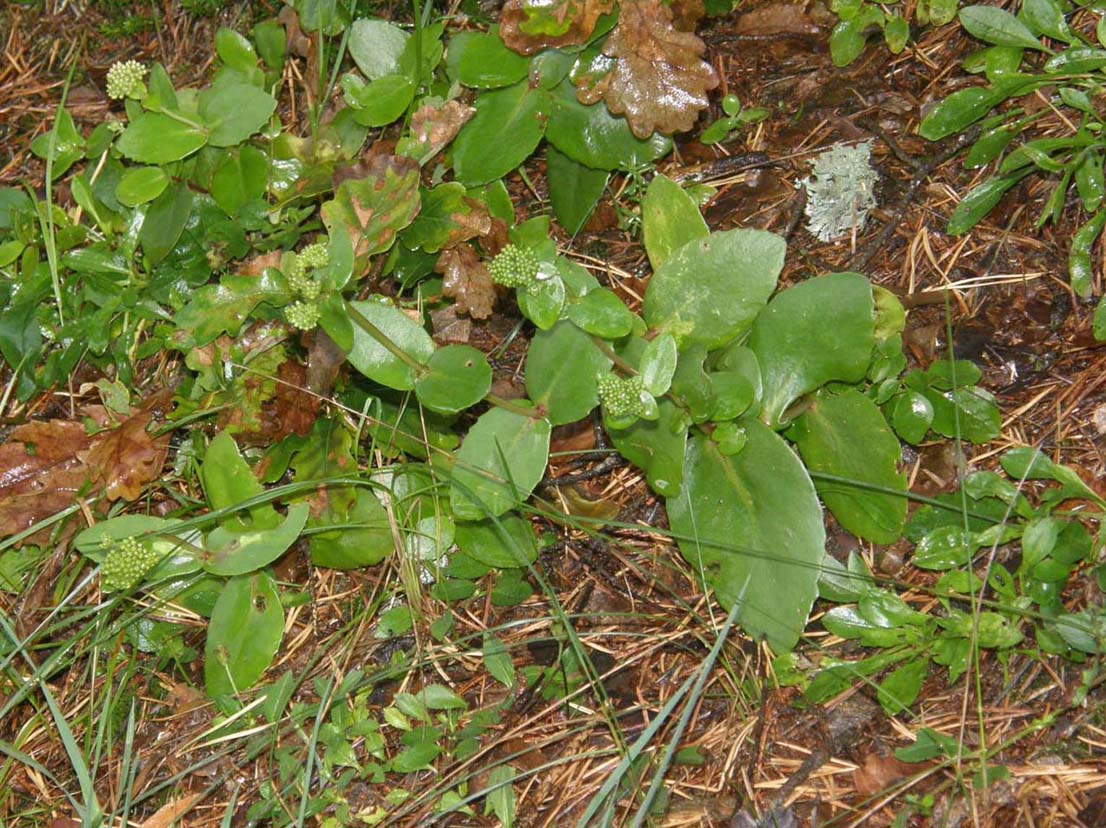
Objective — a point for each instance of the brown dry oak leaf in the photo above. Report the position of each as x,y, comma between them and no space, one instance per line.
125,458
528,26
466,280
41,471
660,80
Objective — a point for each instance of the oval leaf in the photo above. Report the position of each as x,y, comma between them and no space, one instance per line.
562,372
247,624
506,128
374,360
845,435
232,552
710,290
819,331
458,376
670,218
499,464
997,26
750,524
153,138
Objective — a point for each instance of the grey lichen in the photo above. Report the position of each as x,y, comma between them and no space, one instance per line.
840,191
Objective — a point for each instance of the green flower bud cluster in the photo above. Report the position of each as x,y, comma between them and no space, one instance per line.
302,315
622,397
514,267
305,314
125,80
126,564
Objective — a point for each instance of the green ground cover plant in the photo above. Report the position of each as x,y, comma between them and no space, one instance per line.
203,231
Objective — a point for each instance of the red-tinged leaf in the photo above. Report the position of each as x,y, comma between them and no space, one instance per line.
126,458
41,471
376,206
528,26
660,81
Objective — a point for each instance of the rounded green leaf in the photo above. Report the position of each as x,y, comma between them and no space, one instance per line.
499,464
234,111
818,331
139,185
657,447
670,218
602,313
544,306
574,189
591,136
562,372
482,61
235,50
751,525
506,128
376,46
374,360
710,290
153,138
845,435
246,627
231,551
911,416
241,177
503,543
457,377
733,393
378,102
360,535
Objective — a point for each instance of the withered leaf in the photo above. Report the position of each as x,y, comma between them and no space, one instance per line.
41,471
528,26
271,402
378,205
449,326
660,80
125,458
466,280
435,125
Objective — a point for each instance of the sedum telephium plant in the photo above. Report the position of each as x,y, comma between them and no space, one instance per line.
204,227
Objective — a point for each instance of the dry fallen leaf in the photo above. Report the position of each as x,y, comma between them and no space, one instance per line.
879,772
528,26
124,459
466,280
171,811
41,471
660,80
434,126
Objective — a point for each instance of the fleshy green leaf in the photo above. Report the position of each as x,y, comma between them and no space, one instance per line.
710,290
506,128
236,552
246,627
562,370
498,465
141,184
846,436
503,543
670,218
457,377
591,136
657,447
374,360
818,331
376,46
482,61
751,526
153,138
234,111
997,26
574,189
